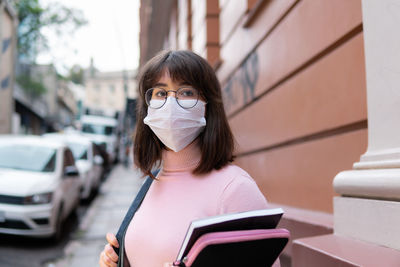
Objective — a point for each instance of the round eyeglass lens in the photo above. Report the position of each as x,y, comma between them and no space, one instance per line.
155,97
187,97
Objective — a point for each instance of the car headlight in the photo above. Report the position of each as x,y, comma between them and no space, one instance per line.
38,199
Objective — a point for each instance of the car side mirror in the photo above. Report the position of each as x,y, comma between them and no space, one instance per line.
98,160
71,171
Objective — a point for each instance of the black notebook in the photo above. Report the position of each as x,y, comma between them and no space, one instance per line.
255,219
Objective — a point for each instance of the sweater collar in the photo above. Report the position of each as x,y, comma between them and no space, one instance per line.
185,160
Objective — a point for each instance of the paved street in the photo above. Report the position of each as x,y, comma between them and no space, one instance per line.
85,231
104,215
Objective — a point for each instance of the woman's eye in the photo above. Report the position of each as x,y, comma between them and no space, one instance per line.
187,92
160,93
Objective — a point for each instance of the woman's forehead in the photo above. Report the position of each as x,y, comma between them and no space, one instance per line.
165,77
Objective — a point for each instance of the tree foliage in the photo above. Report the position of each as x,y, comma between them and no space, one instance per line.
34,88
76,74
33,18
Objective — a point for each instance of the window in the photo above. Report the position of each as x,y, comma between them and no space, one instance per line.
79,150
97,129
27,157
68,158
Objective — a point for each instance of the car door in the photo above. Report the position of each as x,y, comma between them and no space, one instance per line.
72,183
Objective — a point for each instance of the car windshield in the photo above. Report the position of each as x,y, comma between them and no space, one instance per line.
97,129
27,157
78,150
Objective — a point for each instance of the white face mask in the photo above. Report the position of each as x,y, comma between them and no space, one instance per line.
175,126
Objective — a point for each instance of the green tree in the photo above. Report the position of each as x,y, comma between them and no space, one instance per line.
33,18
76,74
34,88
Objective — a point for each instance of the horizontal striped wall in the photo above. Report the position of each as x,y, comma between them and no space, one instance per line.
295,94
301,175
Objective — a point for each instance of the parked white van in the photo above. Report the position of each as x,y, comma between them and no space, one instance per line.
102,130
87,160
39,186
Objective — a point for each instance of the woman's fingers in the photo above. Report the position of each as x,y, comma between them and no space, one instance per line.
108,257
112,240
105,261
110,253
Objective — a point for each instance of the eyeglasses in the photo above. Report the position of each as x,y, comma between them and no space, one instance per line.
186,97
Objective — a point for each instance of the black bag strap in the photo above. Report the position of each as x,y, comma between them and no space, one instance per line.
131,212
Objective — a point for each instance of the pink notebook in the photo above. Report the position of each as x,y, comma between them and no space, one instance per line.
255,248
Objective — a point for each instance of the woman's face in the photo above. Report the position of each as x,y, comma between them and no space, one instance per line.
170,89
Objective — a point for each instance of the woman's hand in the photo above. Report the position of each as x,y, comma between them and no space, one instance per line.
168,264
108,257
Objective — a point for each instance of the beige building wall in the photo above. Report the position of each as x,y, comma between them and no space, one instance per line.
105,91
7,51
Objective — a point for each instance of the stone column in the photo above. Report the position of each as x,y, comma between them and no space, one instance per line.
368,207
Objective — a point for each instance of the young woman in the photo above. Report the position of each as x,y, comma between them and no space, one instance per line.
181,127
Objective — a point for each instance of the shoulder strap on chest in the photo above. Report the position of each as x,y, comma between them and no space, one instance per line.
131,211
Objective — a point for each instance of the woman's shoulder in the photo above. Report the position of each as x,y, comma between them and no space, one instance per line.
240,192
233,172
233,177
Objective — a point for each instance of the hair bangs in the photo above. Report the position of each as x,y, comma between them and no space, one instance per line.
181,69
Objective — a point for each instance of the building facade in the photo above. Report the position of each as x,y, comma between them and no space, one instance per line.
51,109
24,110
107,92
295,86
8,23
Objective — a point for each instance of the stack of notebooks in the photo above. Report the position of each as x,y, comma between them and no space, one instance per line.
237,239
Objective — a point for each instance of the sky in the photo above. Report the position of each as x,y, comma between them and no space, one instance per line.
111,37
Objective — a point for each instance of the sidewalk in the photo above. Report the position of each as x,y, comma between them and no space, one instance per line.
104,215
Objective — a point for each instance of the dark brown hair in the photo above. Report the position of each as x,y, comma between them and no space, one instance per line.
216,140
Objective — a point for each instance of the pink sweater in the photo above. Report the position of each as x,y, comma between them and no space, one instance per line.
155,233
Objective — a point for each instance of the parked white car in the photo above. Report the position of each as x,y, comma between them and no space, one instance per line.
39,186
87,160
103,131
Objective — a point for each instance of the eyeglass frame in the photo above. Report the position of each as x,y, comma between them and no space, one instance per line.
176,98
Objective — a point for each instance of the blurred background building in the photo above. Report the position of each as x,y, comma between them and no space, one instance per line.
107,92
33,98
8,39
293,74
37,98
43,101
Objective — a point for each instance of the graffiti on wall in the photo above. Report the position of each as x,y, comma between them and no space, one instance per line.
240,88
